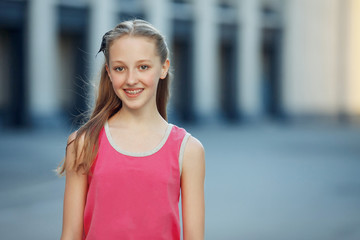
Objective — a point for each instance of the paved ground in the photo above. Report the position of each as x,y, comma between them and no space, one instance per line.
262,182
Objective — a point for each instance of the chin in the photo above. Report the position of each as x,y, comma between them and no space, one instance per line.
133,106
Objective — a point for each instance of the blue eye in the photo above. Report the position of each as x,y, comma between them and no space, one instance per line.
144,67
119,69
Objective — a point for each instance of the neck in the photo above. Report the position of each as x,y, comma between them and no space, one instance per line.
138,119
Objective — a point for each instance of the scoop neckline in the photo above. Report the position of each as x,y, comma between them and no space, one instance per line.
139,154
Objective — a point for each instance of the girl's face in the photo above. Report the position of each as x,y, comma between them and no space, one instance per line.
134,70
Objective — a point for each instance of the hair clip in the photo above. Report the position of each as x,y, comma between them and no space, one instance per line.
103,42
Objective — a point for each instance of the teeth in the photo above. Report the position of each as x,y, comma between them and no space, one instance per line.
133,91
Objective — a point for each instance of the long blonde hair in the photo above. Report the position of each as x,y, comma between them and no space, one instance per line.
107,102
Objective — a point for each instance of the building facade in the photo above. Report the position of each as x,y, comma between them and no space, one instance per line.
232,59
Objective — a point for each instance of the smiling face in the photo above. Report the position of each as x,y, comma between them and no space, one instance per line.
134,69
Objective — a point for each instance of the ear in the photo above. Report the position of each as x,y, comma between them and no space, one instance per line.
108,71
165,69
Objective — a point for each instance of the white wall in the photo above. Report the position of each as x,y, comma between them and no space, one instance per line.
352,58
311,57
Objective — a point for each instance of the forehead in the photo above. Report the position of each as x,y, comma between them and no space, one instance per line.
132,47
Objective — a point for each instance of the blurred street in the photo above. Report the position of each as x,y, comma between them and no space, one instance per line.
263,182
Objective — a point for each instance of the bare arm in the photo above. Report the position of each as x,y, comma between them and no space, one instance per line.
74,197
192,190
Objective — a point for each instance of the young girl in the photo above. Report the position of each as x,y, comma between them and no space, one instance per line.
125,166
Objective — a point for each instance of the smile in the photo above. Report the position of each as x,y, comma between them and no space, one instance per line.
133,92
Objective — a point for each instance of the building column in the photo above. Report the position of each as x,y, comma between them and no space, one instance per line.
206,64
158,13
249,86
349,80
44,102
103,17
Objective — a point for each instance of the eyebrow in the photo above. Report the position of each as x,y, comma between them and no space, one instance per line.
139,61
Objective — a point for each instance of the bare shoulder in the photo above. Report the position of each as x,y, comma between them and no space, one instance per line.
194,156
194,146
71,141
72,138
71,148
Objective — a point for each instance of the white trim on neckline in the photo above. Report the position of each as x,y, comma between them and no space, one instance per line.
134,154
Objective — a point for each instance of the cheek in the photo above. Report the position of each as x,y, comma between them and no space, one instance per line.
117,82
153,79
117,88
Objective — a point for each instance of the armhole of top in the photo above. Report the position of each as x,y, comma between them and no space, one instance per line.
182,150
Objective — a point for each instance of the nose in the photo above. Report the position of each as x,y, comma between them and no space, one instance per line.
132,78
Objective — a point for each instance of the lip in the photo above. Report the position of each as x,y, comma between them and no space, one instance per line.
133,92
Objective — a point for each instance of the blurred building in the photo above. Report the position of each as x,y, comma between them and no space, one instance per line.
233,59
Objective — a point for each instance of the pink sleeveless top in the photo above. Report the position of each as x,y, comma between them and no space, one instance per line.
135,195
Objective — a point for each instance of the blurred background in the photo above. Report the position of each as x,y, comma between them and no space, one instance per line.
270,87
